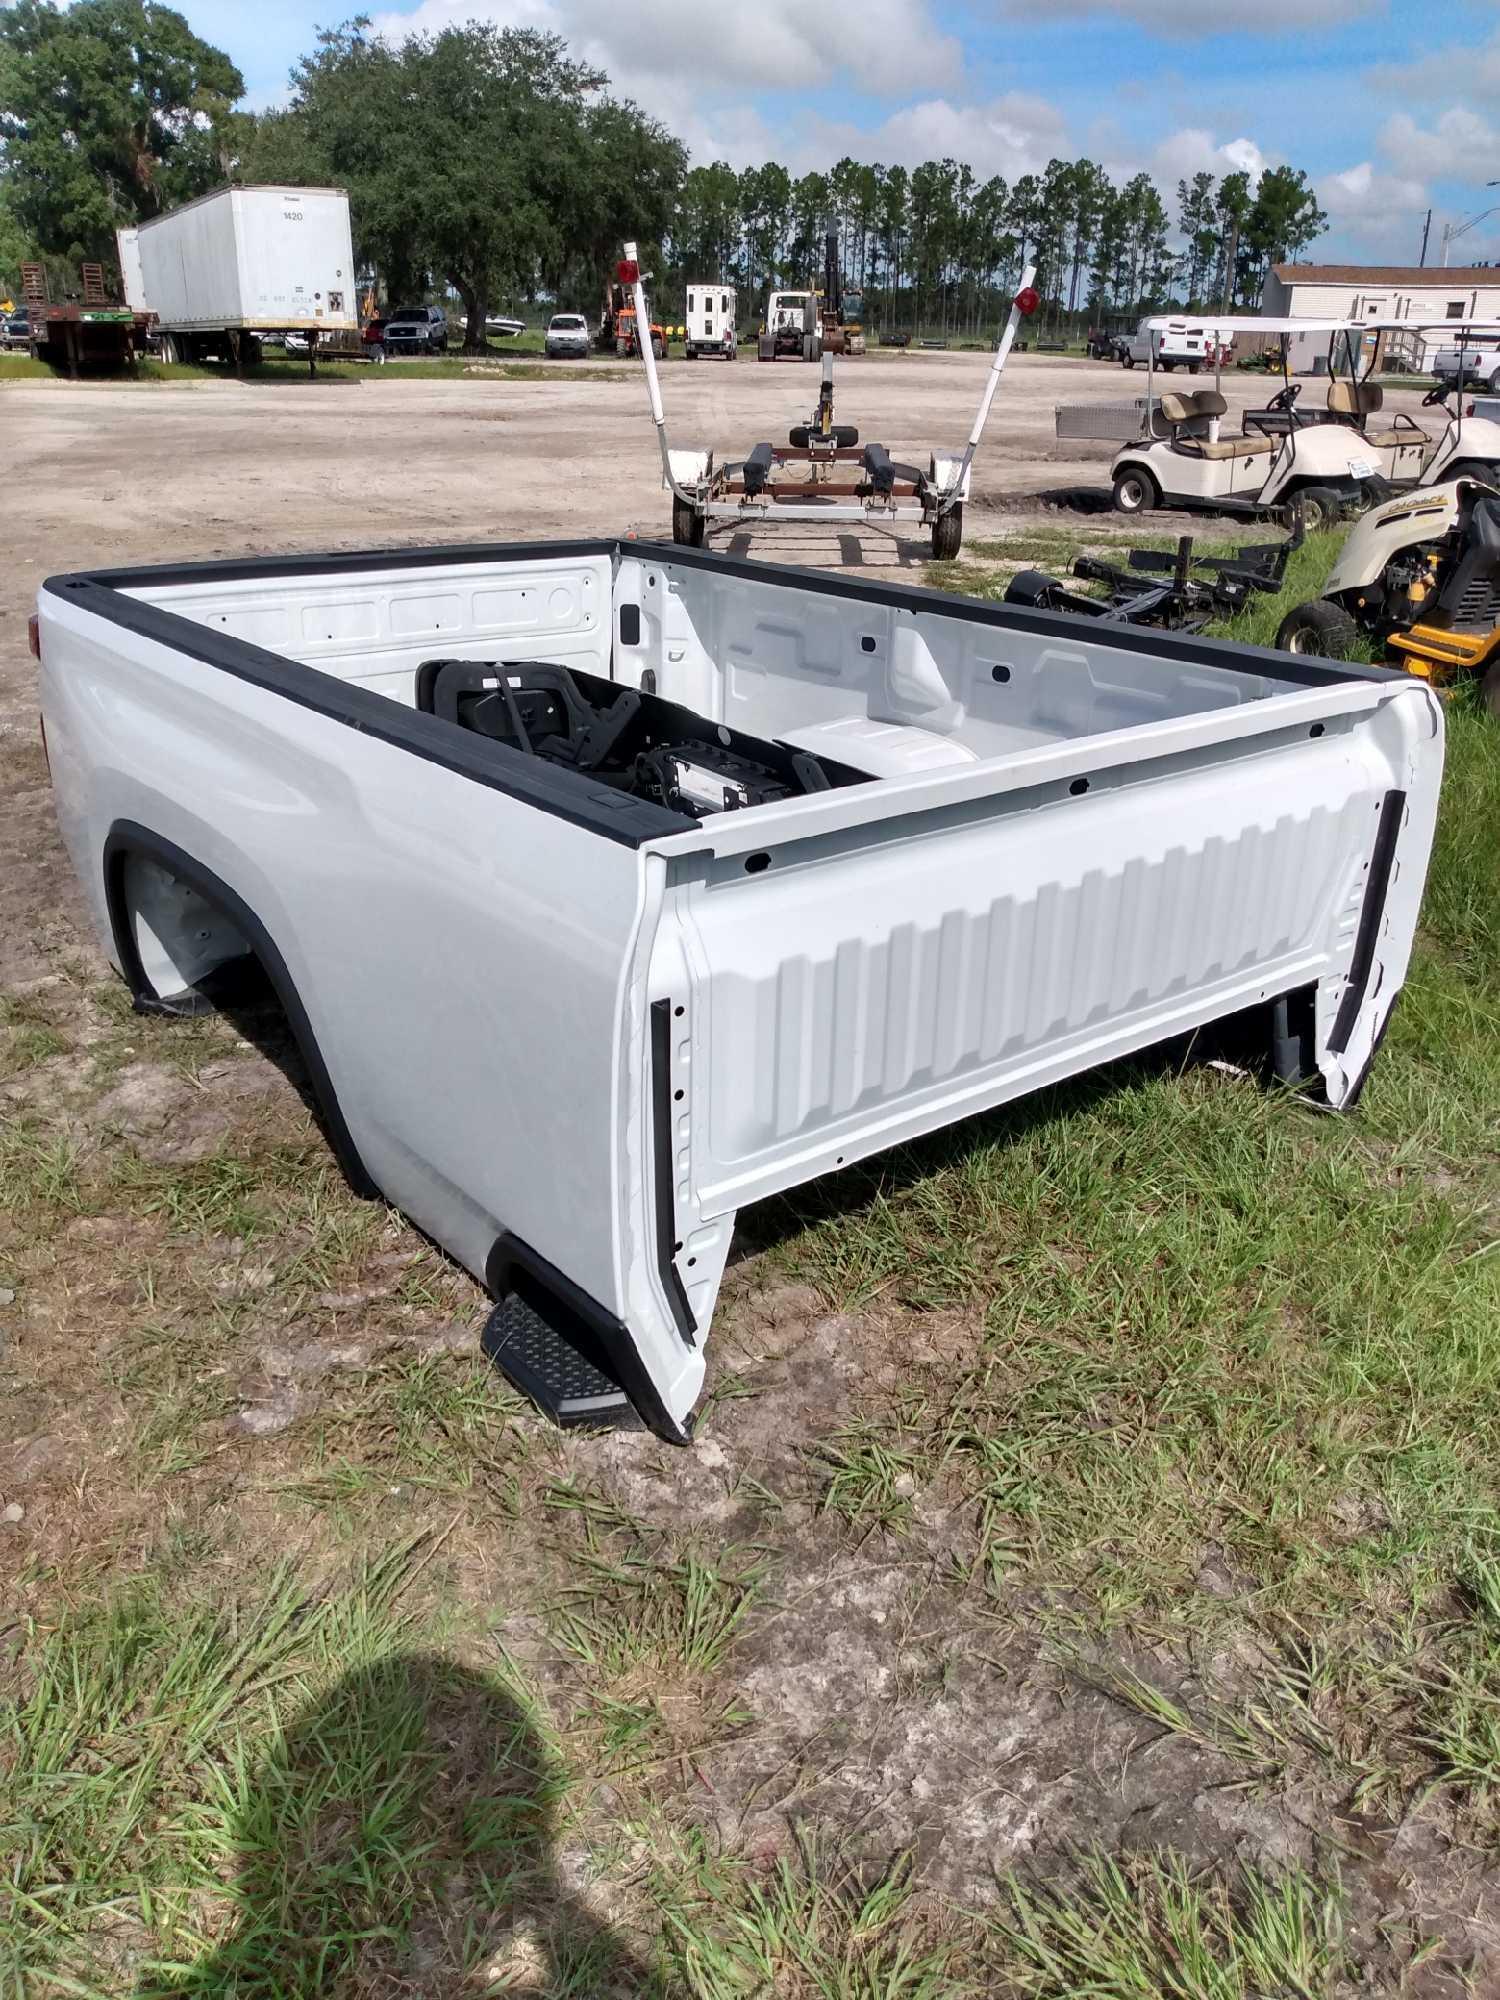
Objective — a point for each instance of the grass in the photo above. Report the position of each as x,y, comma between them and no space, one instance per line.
1171,1410
1144,1927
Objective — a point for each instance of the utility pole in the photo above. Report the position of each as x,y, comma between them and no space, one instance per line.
1453,230
1426,231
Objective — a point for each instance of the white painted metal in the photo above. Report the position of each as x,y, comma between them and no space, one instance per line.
253,258
128,245
1067,849
710,315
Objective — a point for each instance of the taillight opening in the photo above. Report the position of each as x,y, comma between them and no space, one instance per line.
34,635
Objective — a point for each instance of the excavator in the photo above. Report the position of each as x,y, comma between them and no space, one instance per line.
842,313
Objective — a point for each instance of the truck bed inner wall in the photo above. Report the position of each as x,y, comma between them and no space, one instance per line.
733,649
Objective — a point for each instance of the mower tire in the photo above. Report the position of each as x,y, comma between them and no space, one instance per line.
1320,629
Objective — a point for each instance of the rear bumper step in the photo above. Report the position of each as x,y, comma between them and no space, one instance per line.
571,1385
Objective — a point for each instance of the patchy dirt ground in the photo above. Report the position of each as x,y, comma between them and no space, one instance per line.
211,1352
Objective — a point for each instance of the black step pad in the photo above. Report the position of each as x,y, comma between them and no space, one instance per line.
570,1385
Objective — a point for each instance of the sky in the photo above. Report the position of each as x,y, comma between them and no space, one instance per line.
1390,106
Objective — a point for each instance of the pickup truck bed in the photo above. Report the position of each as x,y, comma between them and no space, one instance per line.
571,1015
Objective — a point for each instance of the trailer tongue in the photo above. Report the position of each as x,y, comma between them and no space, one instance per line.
841,480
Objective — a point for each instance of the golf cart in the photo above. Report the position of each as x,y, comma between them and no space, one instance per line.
838,480
1470,444
1178,458
1420,575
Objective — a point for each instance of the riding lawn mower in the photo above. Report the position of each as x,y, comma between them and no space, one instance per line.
1420,575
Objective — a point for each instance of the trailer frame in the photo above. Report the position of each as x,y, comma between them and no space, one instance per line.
887,496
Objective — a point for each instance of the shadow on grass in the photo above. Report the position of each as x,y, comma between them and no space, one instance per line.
400,1836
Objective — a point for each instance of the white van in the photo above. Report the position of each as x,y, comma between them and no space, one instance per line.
1186,341
710,321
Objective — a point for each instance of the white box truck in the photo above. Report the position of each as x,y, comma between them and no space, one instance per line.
710,321
241,262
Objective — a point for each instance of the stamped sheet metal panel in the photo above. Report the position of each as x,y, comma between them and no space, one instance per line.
376,627
848,996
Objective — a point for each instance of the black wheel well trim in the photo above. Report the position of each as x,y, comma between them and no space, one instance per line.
128,837
513,1266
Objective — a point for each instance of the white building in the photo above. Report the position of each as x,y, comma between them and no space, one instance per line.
1378,292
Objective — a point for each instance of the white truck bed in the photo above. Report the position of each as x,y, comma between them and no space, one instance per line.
571,1031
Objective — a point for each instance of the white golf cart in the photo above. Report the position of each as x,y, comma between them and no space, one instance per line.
1469,447
833,479
1179,459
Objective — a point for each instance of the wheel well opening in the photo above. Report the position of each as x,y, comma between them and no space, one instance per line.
188,944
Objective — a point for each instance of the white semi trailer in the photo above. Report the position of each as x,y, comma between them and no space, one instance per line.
241,262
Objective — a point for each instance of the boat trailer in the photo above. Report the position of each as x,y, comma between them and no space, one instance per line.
840,479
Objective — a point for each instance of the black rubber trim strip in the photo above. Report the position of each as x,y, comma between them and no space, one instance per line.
1356,1089
1392,808
661,1153
127,837
513,1266
568,795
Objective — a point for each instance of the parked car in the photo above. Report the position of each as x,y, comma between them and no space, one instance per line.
567,333
15,331
417,330
1185,342
1481,365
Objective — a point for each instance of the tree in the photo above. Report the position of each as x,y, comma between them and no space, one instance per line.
1198,221
1232,207
486,158
1284,218
109,113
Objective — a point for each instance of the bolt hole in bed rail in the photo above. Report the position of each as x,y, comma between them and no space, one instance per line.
838,896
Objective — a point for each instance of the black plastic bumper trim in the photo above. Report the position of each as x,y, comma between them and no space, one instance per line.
513,1266
661,1150
1377,884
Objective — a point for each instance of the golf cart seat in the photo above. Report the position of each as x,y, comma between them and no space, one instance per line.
1198,411
1354,403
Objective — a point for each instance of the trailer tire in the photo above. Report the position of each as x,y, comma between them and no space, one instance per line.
1320,630
688,525
948,533
1135,491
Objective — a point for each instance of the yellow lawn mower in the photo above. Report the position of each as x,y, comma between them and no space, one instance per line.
1420,575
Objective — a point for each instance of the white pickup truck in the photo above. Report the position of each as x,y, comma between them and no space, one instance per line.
610,887
1185,343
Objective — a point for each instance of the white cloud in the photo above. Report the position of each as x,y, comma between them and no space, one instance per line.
1459,70
1194,151
883,46
1458,144
1010,135
1372,214
1196,18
